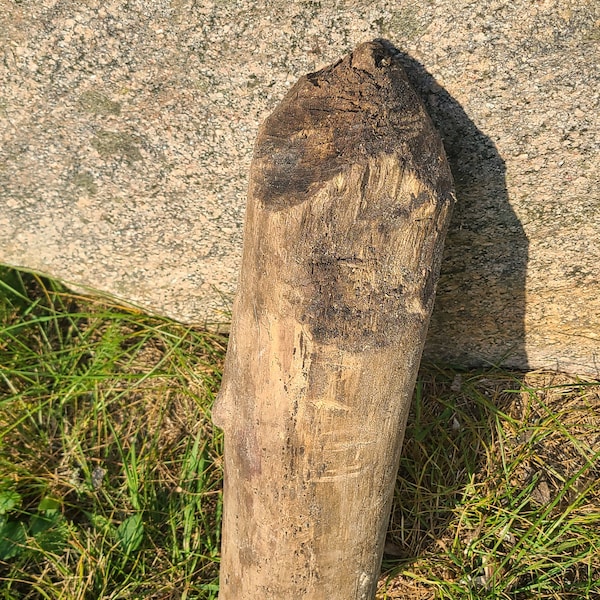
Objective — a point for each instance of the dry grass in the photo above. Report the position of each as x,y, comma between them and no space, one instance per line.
110,470
499,492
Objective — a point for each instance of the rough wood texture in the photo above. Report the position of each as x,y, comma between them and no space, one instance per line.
348,205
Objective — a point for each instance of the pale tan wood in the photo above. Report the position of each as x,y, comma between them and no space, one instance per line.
349,200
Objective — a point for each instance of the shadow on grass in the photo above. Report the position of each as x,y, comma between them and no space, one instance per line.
498,488
448,434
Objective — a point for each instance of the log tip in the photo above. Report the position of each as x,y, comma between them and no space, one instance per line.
355,110
373,55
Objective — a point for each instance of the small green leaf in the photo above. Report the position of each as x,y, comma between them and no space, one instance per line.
48,514
103,525
40,523
8,500
130,533
49,505
12,539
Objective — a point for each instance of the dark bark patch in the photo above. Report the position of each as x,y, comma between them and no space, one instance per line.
358,108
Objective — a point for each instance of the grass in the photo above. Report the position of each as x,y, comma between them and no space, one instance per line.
110,469
498,493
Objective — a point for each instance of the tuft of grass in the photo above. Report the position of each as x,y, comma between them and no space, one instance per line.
110,469
498,493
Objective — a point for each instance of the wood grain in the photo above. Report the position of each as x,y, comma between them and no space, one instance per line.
349,201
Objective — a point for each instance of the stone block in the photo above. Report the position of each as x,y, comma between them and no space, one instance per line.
126,131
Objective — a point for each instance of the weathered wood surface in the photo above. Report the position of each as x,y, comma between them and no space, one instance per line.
348,205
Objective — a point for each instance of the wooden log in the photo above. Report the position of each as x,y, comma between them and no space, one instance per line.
348,205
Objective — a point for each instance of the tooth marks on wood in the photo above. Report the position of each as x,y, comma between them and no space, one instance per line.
361,107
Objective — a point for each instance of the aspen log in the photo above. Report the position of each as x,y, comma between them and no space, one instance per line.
349,200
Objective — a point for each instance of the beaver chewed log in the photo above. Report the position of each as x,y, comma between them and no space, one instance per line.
349,201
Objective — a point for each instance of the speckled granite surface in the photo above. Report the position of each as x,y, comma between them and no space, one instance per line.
126,131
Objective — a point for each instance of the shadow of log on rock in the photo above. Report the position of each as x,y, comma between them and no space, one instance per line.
478,321
478,318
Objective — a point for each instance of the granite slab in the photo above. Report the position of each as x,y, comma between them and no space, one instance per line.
126,132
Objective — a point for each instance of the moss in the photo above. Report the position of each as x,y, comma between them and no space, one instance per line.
404,24
592,34
97,103
116,143
85,180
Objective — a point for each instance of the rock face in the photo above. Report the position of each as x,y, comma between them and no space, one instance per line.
126,132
